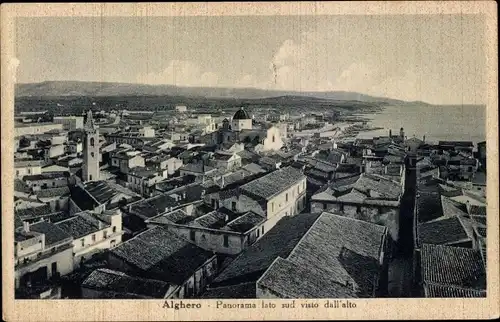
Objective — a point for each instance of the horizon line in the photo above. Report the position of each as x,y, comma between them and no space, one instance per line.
251,88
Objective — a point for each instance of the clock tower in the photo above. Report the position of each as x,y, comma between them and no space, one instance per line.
90,171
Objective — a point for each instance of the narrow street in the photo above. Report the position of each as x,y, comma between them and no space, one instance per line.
400,268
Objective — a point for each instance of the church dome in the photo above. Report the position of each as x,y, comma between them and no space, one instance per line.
241,114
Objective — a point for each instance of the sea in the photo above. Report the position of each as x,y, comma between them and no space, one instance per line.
437,123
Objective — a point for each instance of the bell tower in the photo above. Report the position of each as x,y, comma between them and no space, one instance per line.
90,171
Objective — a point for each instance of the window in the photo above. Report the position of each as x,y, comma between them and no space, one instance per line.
82,241
274,139
226,241
29,171
272,206
17,172
54,268
262,230
90,177
114,229
258,231
233,204
92,154
53,184
324,206
105,234
92,141
192,235
93,237
286,197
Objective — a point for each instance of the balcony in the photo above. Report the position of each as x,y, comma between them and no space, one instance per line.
25,262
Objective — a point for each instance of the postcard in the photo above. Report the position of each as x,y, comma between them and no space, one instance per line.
250,161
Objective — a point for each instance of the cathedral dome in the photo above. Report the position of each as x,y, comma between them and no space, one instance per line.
241,114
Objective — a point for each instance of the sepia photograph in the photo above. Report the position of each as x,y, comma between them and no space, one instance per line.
204,158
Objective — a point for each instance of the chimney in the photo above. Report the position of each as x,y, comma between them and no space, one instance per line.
26,226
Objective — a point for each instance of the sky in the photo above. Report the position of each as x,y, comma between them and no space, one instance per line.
438,59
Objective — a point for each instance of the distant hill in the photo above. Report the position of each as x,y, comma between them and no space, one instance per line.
100,89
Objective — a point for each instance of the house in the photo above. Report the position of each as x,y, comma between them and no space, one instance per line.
104,283
452,272
481,154
142,180
183,197
346,170
54,168
158,145
126,160
163,255
222,231
226,161
274,195
99,196
92,233
279,193
464,146
413,144
269,163
54,151
338,257
196,169
36,128
249,266
368,197
28,167
47,180
74,147
181,108
248,157
36,213
69,123
56,198
42,252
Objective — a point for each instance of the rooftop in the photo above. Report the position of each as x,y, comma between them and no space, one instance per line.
104,279
447,291
30,213
53,233
47,176
244,223
162,254
255,260
241,114
453,266
239,291
442,231
53,192
337,257
273,183
196,167
82,225
143,172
